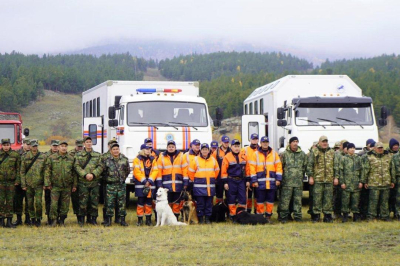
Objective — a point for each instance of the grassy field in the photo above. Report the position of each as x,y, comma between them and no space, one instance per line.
376,243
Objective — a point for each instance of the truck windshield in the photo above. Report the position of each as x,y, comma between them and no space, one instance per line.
7,131
333,114
167,113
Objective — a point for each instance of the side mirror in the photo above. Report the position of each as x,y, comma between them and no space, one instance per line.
280,113
282,123
116,101
113,123
111,112
26,132
382,122
219,114
384,112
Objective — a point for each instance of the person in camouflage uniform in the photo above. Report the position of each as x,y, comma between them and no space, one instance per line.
116,170
337,191
396,175
88,168
370,146
337,146
310,187
103,192
322,173
32,181
47,193
393,149
20,194
59,179
350,182
294,164
75,195
10,162
377,178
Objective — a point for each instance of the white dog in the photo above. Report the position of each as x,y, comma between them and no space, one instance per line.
165,216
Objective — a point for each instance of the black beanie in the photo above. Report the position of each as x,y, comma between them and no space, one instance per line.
345,145
351,145
293,139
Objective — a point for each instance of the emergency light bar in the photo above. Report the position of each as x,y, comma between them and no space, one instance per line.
148,90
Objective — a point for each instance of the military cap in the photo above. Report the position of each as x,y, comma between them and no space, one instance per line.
63,142
323,138
225,139
34,143
264,139
147,140
171,142
343,141
111,141
214,144
205,146
195,142
55,142
337,144
86,138
5,141
114,144
235,141
79,142
27,141
254,136
379,144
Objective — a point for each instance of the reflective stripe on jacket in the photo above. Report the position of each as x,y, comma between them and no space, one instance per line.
266,169
203,172
139,172
233,165
170,175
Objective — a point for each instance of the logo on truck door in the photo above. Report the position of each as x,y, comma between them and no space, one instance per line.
169,136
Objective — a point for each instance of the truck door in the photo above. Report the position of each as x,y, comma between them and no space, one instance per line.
252,124
93,127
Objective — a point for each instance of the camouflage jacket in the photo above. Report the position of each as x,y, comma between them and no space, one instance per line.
377,170
391,152
35,176
9,168
322,165
59,171
363,152
115,170
93,167
21,151
49,152
294,166
350,170
73,152
396,168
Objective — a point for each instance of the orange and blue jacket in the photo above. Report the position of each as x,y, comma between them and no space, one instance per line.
233,165
187,158
265,168
170,172
203,173
248,152
219,155
144,170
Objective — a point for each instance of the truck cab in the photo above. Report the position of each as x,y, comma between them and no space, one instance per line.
11,128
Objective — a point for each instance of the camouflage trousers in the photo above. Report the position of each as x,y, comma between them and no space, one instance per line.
19,197
378,201
310,199
322,194
392,200
337,199
350,201
59,197
88,200
7,189
397,206
75,201
363,206
115,197
34,197
288,195
47,200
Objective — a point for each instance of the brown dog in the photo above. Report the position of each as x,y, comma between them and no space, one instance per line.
189,212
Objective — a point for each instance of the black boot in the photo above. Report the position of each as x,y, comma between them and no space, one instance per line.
62,220
397,217
31,222
58,220
88,219
117,219
2,222
139,221
108,221
345,217
155,216
93,220
38,223
81,220
177,216
201,219
77,218
9,223
356,217
18,221
122,221
328,218
148,220
316,218
104,217
27,219
208,221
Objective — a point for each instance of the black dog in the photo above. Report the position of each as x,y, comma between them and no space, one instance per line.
220,212
243,217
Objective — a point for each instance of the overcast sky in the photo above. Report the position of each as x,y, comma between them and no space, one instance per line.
361,27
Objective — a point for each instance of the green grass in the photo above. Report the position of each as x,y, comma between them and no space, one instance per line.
376,243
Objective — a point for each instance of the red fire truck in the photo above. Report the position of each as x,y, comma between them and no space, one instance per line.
11,128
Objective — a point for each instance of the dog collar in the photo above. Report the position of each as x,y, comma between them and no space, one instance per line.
161,200
239,212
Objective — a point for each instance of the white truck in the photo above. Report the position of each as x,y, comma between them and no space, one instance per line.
131,111
309,106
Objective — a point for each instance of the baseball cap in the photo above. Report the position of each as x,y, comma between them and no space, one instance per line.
195,142
205,145
63,142
235,141
34,143
264,139
79,142
225,139
323,138
114,144
55,142
5,141
111,141
147,140
144,146
27,141
379,145
254,136
214,144
171,142
337,144
86,138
